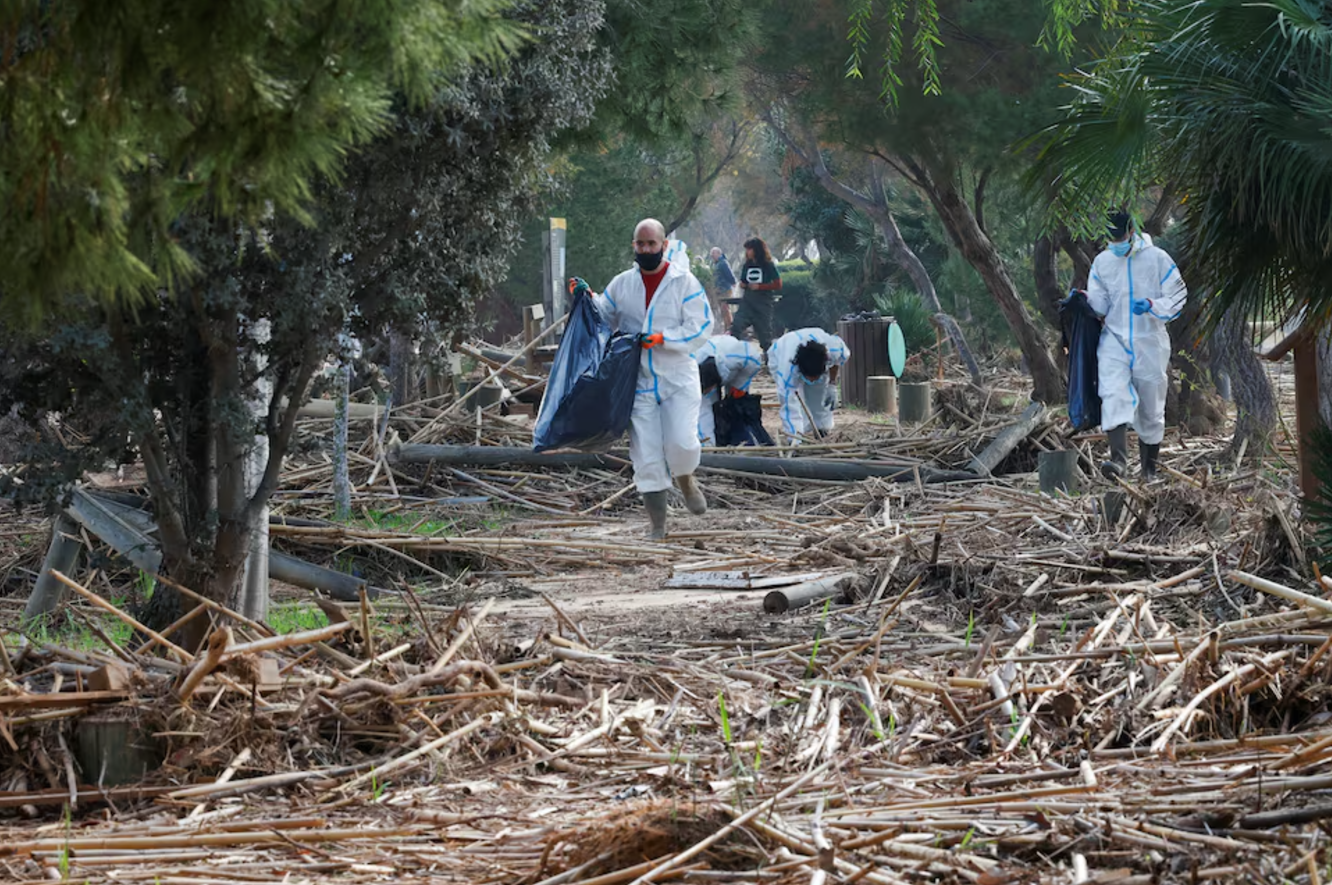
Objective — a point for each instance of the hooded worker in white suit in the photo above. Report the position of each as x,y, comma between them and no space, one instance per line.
726,367
1136,288
805,364
664,304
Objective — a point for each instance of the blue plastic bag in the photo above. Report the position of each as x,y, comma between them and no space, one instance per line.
1082,335
590,392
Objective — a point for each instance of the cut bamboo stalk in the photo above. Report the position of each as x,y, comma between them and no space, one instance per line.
913,402
1284,592
1186,715
466,634
61,556
287,640
111,609
214,650
194,840
394,764
881,393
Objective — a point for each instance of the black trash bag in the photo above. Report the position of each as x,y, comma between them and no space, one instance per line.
739,421
590,392
1082,333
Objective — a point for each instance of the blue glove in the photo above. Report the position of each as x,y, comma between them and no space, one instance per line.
1141,306
578,287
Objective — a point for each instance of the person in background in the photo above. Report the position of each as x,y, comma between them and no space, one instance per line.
726,366
1136,288
723,284
805,363
663,304
760,281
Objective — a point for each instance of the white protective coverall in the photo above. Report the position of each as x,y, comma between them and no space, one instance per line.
792,388
737,364
677,253
1134,351
663,432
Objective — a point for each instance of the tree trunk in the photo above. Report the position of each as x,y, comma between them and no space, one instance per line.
1082,253
1045,272
341,469
1048,385
1323,354
1255,404
402,379
920,277
1191,400
876,206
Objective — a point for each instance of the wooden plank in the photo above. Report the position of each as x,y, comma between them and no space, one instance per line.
734,581
1306,412
85,796
60,699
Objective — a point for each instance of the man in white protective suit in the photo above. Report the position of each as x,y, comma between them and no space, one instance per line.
664,304
726,366
805,363
1136,289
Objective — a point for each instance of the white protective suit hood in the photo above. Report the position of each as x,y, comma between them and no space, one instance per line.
737,364
791,384
679,311
1134,350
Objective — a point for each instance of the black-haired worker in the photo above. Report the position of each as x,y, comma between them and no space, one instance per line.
805,363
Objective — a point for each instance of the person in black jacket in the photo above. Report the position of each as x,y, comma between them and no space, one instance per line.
760,281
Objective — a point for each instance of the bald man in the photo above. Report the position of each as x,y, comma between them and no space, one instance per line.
723,284
665,306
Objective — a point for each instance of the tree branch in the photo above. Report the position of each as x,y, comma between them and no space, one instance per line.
814,159
279,441
980,197
171,525
703,180
1155,223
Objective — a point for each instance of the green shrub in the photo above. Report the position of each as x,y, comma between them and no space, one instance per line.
912,316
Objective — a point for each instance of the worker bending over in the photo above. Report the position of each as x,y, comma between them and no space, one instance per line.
726,366
805,364
663,303
1137,289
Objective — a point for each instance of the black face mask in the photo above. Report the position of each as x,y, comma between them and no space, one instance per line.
649,261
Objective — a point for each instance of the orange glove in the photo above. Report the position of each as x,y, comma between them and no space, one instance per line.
650,341
578,288
737,393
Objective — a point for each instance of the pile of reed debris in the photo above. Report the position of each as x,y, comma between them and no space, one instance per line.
962,680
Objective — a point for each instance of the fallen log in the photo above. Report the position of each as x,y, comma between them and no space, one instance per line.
60,557
127,529
792,468
790,598
339,585
1008,440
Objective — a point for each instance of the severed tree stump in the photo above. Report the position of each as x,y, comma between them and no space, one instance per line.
1058,470
881,394
113,751
914,402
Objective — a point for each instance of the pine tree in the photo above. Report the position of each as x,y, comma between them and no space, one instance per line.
415,226
117,118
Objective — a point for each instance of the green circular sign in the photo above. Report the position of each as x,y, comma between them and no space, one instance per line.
896,349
